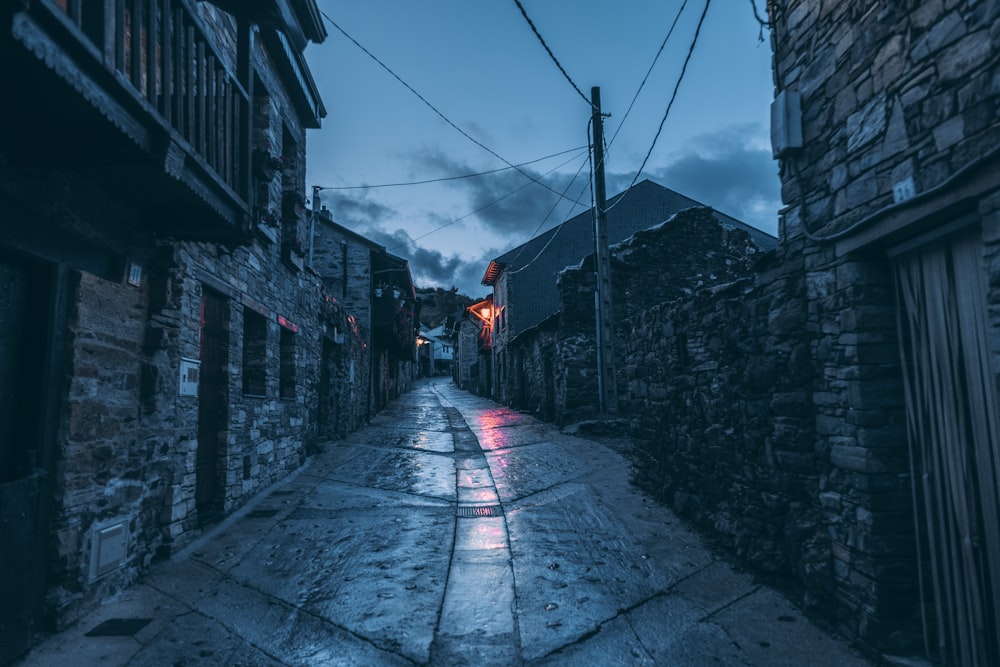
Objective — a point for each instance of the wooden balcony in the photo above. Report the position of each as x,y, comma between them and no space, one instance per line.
135,95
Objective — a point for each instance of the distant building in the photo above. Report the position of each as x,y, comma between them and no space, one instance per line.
376,288
436,350
473,347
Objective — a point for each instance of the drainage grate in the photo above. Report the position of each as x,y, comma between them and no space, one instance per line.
119,627
263,513
487,510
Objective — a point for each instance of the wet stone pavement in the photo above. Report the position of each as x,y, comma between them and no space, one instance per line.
450,531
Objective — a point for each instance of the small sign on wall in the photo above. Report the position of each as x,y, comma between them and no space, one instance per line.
190,369
134,275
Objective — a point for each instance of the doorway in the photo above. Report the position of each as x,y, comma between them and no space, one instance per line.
212,408
327,416
32,322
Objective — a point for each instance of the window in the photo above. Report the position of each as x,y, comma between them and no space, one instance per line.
286,377
254,354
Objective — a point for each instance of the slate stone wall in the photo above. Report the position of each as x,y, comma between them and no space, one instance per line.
113,465
344,404
686,253
889,91
344,263
718,395
533,374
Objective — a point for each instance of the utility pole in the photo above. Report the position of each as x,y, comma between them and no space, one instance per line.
607,385
312,222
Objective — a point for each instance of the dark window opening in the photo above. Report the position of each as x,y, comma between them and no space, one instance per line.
254,354
286,378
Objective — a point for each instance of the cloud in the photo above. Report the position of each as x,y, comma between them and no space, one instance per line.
433,268
731,170
356,210
508,202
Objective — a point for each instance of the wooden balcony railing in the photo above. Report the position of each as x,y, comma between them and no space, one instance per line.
160,51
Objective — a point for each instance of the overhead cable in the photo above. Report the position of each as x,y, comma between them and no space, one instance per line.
486,206
649,71
450,178
558,228
549,51
670,104
435,109
762,22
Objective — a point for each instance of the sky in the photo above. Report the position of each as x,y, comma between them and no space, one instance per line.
465,87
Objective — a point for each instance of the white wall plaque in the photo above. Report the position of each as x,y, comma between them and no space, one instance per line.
190,368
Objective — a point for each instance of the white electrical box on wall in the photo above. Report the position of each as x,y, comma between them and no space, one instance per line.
786,123
108,548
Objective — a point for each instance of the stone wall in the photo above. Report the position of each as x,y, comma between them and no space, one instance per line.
899,123
718,395
113,466
343,404
466,353
889,91
689,251
534,370
729,381
343,260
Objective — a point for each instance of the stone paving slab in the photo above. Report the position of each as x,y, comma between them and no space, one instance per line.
674,632
529,469
419,473
615,644
419,439
491,439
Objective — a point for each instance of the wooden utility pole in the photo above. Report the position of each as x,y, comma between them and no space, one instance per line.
607,385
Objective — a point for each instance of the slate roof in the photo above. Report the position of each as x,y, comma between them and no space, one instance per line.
533,266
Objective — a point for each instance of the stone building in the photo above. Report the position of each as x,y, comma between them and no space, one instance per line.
157,366
472,339
887,127
376,288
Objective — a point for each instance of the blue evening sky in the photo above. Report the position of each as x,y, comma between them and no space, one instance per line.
479,64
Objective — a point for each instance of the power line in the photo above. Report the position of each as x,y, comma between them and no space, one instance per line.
435,109
649,71
756,15
486,206
670,104
449,178
557,229
549,51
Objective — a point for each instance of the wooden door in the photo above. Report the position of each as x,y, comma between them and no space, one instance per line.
953,423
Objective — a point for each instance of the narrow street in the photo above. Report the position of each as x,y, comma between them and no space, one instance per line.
450,531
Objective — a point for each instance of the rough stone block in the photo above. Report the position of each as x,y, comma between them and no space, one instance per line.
949,133
867,124
850,457
962,58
